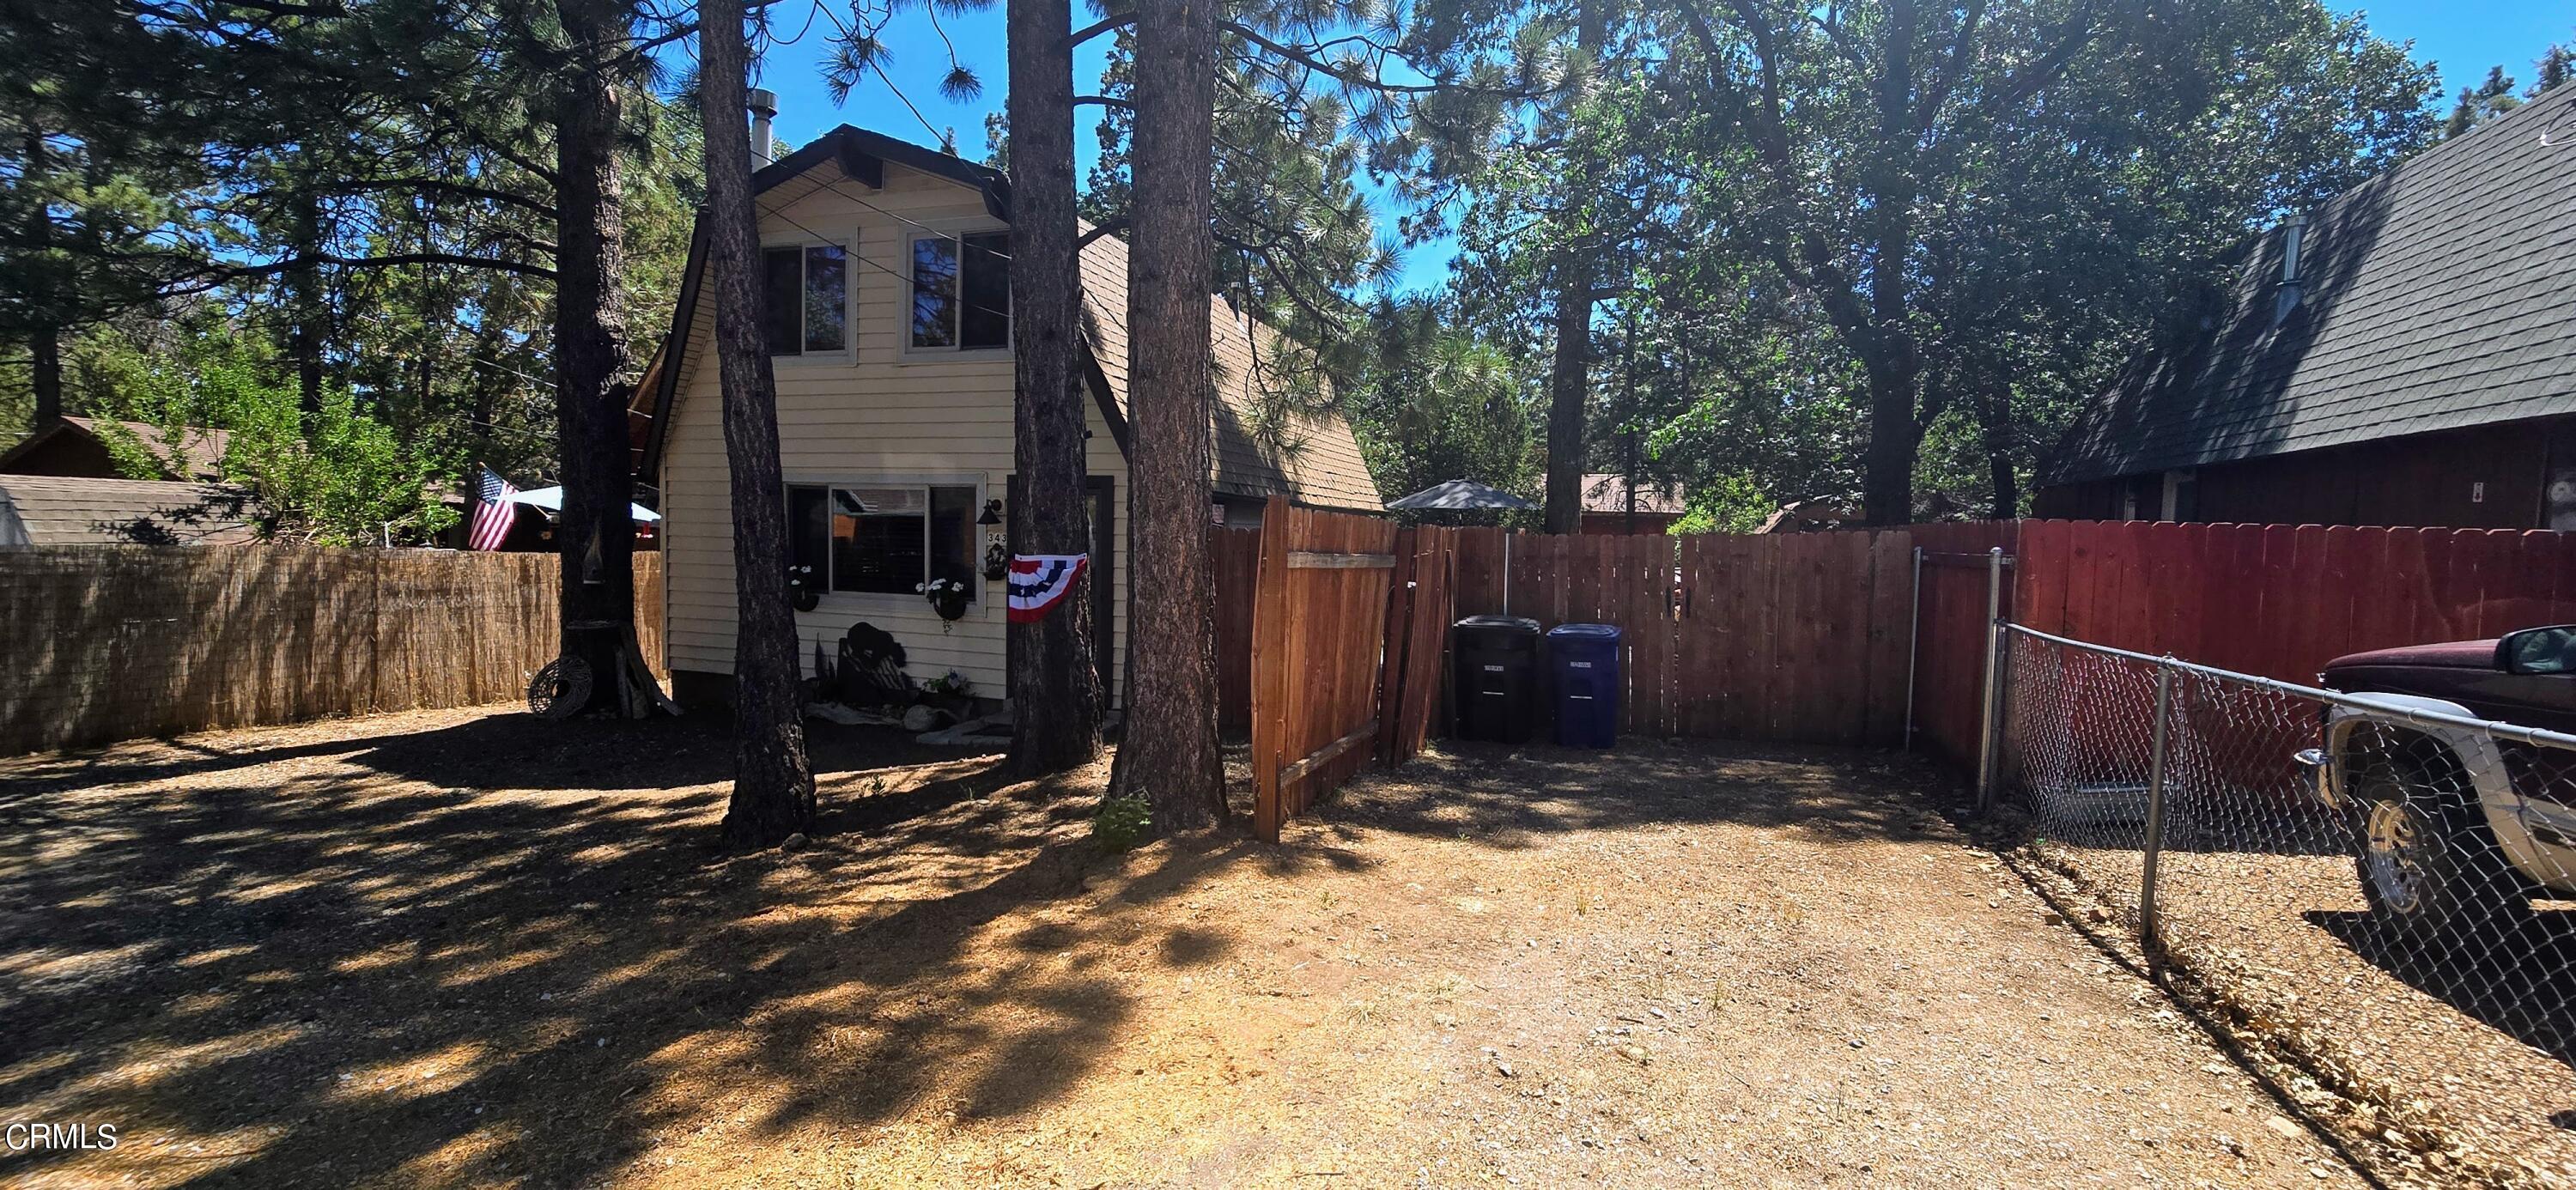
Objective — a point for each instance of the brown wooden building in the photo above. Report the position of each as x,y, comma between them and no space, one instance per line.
1612,505
2404,355
77,447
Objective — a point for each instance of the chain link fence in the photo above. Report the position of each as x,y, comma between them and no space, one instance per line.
2360,883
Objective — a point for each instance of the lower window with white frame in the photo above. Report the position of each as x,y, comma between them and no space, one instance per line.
883,538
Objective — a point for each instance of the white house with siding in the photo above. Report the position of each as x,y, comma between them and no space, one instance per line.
888,324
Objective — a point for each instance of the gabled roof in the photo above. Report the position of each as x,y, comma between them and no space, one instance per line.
2435,297
66,510
1317,461
195,453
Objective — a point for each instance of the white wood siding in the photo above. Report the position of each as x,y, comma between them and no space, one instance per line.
890,413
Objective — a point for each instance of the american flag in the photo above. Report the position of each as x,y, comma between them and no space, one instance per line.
493,512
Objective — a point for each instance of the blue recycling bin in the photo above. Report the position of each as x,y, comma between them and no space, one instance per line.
1584,659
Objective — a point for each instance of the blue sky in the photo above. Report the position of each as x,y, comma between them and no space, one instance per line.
2462,38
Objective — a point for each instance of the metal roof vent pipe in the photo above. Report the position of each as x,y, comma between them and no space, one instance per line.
2293,285
763,103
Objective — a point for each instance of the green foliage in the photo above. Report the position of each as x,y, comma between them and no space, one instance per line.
2059,177
368,186
1432,403
1122,823
341,477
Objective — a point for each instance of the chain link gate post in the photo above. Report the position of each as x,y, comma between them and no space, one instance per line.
2150,935
1990,722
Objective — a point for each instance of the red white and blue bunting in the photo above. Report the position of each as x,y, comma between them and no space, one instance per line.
1039,581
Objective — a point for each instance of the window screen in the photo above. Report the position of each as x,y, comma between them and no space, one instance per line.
984,292
827,294
934,292
781,286
952,534
805,299
809,535
879,539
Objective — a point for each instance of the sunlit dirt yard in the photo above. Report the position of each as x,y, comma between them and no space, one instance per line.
469,948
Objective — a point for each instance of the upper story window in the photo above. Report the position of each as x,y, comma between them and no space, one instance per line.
961,292
805,293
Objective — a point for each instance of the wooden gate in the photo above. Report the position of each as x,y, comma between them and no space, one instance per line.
1419,609
1318,626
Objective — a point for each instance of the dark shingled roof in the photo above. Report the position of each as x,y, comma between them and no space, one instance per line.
2439,295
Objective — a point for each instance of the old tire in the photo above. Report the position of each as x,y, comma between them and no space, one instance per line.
2435,880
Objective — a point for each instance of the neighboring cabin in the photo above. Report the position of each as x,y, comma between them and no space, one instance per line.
2404,355
60,486
76,446
887,269
1611,505
82,510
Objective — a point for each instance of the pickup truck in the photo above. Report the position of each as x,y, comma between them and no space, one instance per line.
2454,829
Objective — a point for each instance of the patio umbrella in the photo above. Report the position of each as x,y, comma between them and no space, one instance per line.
1459,495
551,499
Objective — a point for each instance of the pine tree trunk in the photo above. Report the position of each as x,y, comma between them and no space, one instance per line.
1569,379
44,343
595,534
1569,382
773,785
45,366
1169,755
304,306
1054,684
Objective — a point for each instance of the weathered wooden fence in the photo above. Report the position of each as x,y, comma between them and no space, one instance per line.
1412,679
1235,557
1798,637
114,642
1833,637
1319,634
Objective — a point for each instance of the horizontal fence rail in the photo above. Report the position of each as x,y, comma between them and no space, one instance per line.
115,642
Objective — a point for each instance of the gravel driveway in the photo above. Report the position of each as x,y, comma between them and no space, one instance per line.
457,949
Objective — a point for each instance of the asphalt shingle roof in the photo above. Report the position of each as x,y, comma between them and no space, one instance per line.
60,510
2438,296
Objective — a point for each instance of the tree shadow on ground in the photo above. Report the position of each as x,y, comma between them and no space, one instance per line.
2520,981
1504,795
509,950
353,963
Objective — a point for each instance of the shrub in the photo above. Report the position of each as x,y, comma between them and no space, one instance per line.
1121,823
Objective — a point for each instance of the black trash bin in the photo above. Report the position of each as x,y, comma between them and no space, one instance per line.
1496,683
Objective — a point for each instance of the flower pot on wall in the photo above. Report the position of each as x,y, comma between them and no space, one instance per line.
948,597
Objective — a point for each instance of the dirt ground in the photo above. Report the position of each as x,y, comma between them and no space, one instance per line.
468,948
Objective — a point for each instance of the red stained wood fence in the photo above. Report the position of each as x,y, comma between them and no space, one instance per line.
1319,634
1234,555
1950,639
2282,600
